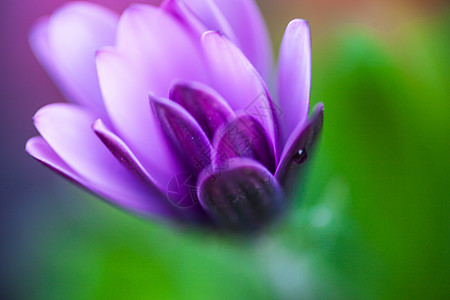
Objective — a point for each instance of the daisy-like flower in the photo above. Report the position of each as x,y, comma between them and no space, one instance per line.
171,115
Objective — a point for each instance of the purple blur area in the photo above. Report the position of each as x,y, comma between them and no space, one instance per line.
24,88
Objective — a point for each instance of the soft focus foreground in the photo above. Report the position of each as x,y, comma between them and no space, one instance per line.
373,216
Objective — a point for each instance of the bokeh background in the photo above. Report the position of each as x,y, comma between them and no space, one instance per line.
371,220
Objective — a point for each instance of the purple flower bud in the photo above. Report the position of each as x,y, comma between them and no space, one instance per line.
171,115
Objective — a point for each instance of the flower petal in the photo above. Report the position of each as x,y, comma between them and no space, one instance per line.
152,51
208,108
160,43
187,138
251,31
124,90
241,198
294,75
184,14
234,77
66,43
298,147
125,156
242,22
67,129
38,148
122,153
132,198
243,137
209,14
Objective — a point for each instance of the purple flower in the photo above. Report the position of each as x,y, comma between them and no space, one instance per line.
171,114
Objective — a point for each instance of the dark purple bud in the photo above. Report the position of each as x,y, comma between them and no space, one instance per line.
243,136
242,198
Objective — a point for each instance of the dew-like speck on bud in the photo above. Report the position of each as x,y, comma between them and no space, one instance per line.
300,157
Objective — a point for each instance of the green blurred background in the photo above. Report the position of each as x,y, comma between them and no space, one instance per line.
371,220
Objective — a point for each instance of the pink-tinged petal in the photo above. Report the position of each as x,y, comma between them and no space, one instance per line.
66,43
294,75
242,22
138,199
207,107
298,148
243,197
188,140
152,50
234,77
243,137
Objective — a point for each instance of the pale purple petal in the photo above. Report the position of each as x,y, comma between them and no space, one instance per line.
298,147
243,197
294,75
135,197
66,43
243,137
242,22
208,108
155,38
159,48
124,93
40,150
209,13
67,128
185,15
188,140
153,49
234,77
127,158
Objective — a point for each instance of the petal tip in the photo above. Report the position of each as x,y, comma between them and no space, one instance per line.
31,144
211,34
319,108
159,105
38,29
98,126
155,100
178,85
104,52
299,22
